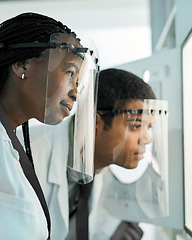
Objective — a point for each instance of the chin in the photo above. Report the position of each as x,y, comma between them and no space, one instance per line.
131,165
54,119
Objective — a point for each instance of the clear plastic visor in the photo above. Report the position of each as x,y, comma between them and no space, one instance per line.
64,67
137,189
70,101
82,129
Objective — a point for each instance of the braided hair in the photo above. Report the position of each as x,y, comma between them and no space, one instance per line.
26,28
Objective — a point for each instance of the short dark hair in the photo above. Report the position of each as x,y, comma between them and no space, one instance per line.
116,84
25,28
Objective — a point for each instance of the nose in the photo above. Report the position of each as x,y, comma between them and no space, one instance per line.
73,92
145,137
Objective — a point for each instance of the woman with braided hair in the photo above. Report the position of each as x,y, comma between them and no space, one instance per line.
40,63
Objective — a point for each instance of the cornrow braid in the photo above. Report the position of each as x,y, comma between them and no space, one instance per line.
25,128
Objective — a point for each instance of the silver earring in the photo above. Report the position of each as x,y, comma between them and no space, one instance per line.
23,76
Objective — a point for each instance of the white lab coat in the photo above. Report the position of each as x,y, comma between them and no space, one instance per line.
102,225
50,153
50,157
21,214
49,145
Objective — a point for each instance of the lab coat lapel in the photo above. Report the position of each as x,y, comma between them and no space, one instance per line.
57,176
59,155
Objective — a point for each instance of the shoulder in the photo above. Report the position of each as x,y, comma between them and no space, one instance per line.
3,134
6,148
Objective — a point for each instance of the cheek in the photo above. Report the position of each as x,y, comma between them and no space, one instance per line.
120,133
57,84
131,142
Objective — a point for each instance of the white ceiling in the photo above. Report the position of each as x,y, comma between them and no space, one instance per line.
120,28
84,14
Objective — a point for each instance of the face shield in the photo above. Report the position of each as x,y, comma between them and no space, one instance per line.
137,189
82,127
67,78
72,93
67,65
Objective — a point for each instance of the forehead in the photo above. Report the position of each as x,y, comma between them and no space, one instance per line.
70,57
130,104
136,105
64,58
65,38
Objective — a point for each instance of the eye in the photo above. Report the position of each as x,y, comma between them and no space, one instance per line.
136,126
134,123
70,73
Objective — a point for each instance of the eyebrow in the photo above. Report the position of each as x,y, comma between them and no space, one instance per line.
138,120
134,120
73,65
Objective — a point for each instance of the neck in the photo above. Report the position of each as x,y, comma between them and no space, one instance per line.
13,113
12,103
99,163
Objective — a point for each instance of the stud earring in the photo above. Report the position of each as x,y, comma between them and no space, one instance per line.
23,76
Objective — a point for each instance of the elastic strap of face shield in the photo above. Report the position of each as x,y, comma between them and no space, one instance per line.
131,111
78,51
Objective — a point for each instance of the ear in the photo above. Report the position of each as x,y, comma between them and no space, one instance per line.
99,124
19,68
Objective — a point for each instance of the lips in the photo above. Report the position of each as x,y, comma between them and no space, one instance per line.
66,107
69,106
140,155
